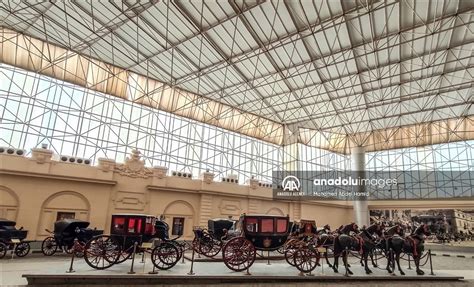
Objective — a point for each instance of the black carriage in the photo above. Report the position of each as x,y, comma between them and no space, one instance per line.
208,242
12,238
69,235
254,232
129,232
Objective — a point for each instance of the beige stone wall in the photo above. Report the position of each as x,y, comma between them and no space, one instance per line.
33,190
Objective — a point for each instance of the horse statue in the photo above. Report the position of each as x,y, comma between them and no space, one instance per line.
325,239
345,241
413,244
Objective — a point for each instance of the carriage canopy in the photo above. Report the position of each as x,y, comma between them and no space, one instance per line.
308,227
162,229
69,225
6,222
218,225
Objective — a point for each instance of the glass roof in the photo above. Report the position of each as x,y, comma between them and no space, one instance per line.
337,74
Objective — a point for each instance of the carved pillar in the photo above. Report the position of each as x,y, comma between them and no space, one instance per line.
205,209
296,210
254,206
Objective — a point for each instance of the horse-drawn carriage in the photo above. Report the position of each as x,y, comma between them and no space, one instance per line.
129,231
263,233
65,234
12,238
300,250
208,242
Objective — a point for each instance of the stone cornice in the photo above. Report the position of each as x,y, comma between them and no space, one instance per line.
58,177
249,196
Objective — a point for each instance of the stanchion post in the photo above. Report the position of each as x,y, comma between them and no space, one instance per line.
143,257
153,271
322,265
133,258
71,268
268,258
247,272
431,262
409,261
191,272
13,250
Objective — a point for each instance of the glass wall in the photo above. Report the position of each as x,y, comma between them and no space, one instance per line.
436,171
78,122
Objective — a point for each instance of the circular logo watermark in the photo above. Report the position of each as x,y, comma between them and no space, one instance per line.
291,183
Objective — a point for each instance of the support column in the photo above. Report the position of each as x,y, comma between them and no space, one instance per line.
361,206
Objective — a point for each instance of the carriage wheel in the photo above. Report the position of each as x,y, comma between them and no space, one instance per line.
209,246
101,252
22,249
3,249
165,255
306,259
238,254
181,248
289,255
49,246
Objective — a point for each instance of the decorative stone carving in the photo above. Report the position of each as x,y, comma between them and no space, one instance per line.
160,171
208,177
230,207
106,164
126,200
41,155
253,183
134,167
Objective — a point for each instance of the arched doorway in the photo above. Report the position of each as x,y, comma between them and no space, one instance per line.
65,204
9,203
179,215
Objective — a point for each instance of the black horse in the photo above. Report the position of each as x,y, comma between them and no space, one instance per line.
325,239
371,237
412,244
385,243
345,241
